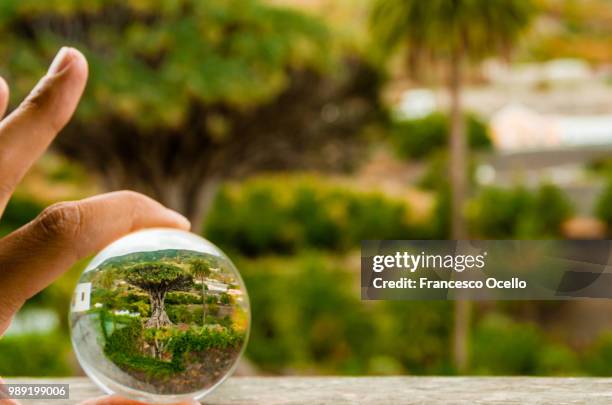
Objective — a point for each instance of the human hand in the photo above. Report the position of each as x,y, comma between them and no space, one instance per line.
42,250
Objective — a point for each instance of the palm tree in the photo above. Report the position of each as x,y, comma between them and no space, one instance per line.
201,270
106,278
452,32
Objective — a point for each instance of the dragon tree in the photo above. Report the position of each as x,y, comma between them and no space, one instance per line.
157,279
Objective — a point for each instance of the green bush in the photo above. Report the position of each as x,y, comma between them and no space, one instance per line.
225,299
181,313
550,207
598,359
122,300
132,297
601,167
502,346
500,213
179,297
496,212
418,138
307,315
143,308
428,324
435,176
198,340
35,355
557,360
287,214
603,209
321,229
123,346
213,309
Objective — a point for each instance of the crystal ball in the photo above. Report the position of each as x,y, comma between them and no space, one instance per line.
160,316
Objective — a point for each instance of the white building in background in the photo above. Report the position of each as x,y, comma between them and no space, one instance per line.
81,300
517,128
557,71
416,103
214,286
585,130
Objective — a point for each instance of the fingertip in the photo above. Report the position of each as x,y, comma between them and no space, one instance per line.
67,60
79,65
146,211
3,86
4,96
75,72
180,220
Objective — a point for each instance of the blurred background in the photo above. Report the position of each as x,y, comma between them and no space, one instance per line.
290,130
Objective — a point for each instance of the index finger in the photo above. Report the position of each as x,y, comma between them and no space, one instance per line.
27,132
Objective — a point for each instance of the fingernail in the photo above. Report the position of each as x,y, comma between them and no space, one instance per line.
181,220
61,61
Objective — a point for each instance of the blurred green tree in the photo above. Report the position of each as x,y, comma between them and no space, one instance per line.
184,94
452,32
421,137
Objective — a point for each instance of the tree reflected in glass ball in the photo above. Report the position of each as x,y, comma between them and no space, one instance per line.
160,315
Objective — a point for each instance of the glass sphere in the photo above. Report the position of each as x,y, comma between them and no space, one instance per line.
160,316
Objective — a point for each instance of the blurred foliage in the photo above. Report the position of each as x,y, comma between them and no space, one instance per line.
599,357
35,355
285,214
603,209
500,213
20,210
242,45
507,347
576,29
123,346
443,31
205,90
307,314
600,167
295,305
419,138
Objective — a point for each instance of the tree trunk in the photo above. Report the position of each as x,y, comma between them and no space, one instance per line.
193,201
202,203
458,151
203,304
458,183
158,318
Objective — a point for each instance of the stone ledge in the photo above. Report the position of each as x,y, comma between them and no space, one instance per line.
380,390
